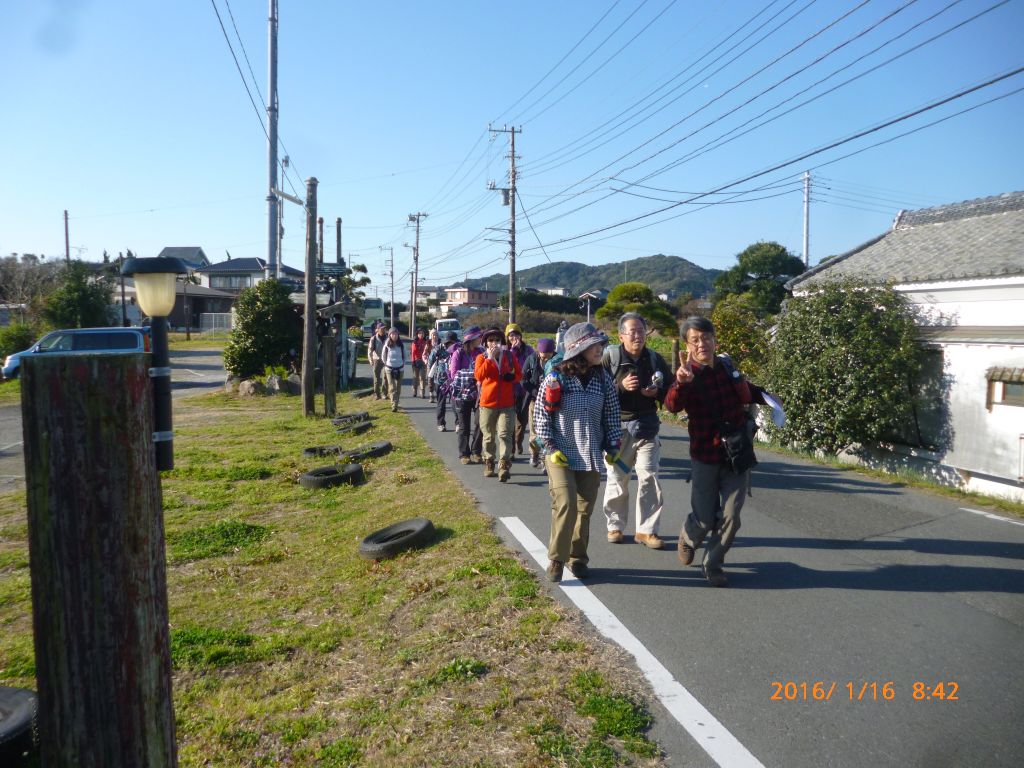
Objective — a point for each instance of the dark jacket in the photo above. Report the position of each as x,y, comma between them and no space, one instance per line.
633,404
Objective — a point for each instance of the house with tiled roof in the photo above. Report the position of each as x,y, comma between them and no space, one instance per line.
962,267
235,275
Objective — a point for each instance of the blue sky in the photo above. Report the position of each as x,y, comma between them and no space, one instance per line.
646,126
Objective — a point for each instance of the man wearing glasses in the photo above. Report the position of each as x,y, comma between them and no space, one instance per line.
711,391
641,376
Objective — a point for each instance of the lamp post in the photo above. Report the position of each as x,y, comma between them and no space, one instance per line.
155,281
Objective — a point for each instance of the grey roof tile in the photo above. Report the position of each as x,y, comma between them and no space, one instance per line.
973,239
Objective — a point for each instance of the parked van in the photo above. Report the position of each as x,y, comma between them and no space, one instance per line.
449,324
85,340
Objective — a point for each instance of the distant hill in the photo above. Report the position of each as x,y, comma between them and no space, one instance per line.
670,274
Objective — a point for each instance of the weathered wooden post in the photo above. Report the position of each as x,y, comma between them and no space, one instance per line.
330,342
96,548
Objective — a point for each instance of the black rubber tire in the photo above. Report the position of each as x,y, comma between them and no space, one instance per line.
362,392
328,477
318,451
345,418
355,427
17,718
368,451
397,538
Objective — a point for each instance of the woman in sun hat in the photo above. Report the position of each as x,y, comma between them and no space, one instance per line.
464,395
577,419
522,352
498,372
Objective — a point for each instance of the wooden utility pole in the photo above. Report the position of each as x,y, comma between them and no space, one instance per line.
309,314
96,545
67,239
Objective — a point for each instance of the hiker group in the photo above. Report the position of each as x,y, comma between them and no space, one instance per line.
580,408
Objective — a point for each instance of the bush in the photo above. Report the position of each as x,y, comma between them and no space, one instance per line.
16,337
846,364
266,331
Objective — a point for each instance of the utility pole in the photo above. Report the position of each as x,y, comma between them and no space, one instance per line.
415,271
337,226
273,224
390,264
309,313
510,200
285,161
320,240
807,219
67,241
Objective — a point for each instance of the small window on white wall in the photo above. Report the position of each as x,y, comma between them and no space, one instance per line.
1013,393
1005,386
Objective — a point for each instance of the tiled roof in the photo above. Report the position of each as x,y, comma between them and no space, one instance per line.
248,266
975,239
193,255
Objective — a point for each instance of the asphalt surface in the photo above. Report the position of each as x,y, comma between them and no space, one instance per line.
835,578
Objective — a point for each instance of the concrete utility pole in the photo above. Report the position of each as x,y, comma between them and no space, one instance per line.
510,195
807,219
67,241
273,224
309,313
415,271
390,264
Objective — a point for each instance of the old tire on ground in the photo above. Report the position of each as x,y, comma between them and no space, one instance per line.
368,451
328,477
317,451
361,392
345,418
397,538
355,427
17,715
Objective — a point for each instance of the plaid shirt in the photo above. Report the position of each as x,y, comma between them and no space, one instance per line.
587,422
716,396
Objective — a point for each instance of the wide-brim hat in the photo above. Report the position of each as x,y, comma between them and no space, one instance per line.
493,332
472,334
581,337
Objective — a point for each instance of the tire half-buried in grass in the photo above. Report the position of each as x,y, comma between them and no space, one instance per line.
355,427
328,477
397,538
17,717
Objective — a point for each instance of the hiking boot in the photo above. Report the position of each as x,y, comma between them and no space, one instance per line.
649,540
489,468
394,409
433,399
554,571
685,553
442,428
716,577
614,536
534,456
464,459
504,471
579,569
475,458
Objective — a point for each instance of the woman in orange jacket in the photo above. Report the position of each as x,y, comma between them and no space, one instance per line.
498,372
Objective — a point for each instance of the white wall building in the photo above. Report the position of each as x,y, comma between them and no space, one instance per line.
962,265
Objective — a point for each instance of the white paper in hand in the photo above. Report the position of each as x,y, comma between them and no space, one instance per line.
778,415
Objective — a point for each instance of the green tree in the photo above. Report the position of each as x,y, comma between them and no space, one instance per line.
267,328
82,299
845,362
639,298
352,286
761,270
742,333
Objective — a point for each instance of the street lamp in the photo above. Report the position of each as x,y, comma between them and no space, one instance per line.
155,280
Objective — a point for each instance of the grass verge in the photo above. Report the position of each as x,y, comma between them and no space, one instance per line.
289,649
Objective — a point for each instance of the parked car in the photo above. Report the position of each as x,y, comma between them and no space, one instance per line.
84,340
449,324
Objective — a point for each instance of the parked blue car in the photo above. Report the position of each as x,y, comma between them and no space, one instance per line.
116,339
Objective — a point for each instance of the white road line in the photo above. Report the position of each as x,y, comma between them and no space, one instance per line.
991,516
710,734
8,447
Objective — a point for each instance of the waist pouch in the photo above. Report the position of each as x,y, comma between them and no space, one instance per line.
644,427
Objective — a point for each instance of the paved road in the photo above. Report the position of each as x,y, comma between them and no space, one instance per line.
192,372
836,578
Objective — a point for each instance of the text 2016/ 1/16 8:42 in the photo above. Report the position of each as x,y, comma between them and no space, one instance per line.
871,690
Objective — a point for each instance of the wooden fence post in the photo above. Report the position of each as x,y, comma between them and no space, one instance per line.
97,562
330,347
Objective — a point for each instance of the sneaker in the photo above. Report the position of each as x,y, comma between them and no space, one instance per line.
464,459
579,569
685,553
554,571
649,540
614,536
489,468
716,578
442,428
